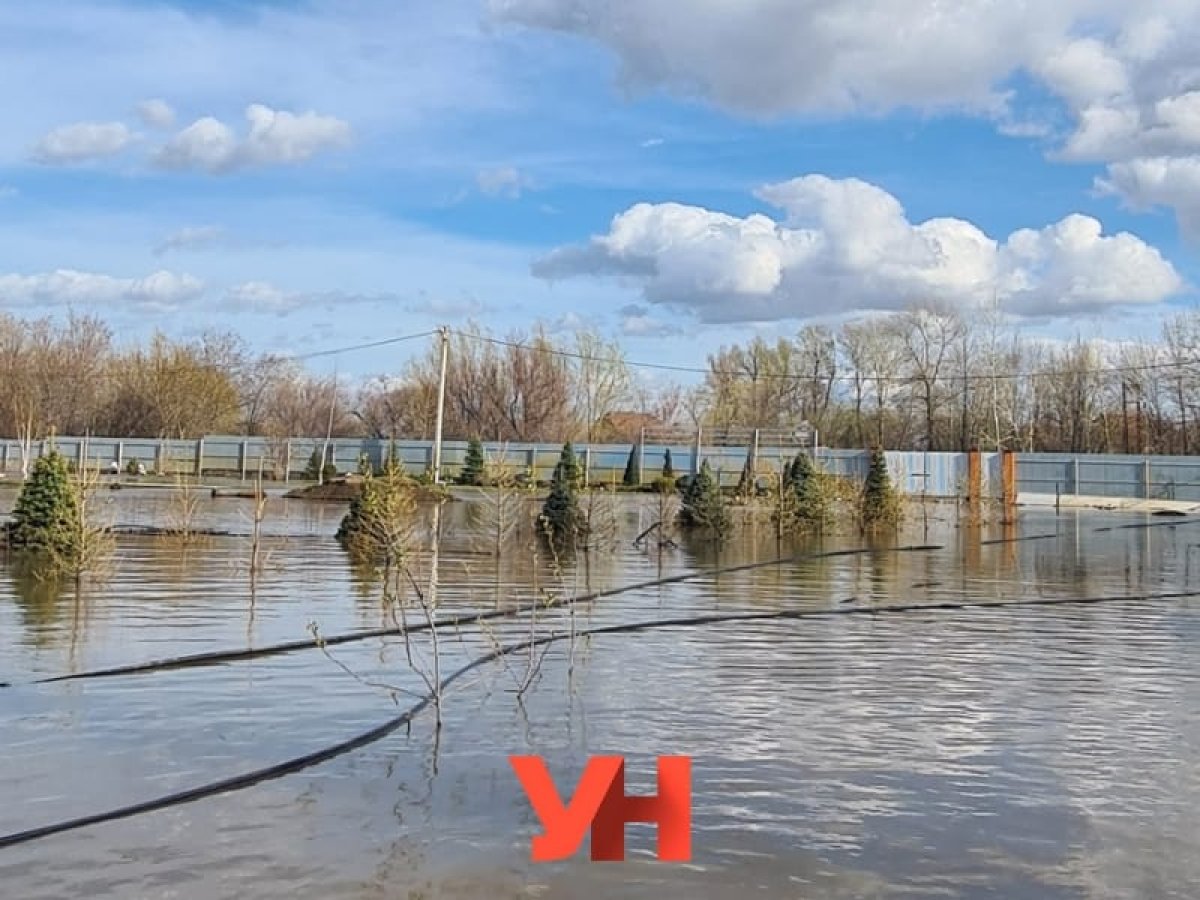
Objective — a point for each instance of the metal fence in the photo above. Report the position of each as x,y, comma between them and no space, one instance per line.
1136,477
930,474
935,475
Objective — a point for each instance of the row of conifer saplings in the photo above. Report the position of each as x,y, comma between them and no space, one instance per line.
49,518
803,498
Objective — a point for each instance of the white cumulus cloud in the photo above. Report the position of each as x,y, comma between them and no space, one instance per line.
1172,182
774,56
1123,77
846,246
156,113
158,292
274,137
81,142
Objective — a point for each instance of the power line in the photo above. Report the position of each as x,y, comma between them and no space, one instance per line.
300,357
866,379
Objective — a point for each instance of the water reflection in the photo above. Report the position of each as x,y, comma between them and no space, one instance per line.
1039,752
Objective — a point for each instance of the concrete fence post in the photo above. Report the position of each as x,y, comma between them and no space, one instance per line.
641,479
160,458
120,456
587,465
4,457
200,458
245,453
1146,479
287,461
1075,477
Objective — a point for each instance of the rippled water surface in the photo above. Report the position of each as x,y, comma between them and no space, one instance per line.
1047,750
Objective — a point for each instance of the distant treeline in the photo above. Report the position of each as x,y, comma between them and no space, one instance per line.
923,378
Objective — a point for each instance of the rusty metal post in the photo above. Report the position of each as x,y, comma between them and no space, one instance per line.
974,479
1009,478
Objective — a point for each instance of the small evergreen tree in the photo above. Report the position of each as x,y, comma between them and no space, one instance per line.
668,470
704,506
46,518
810,506
314,471
393,464
562,520
364,465
377,528
745,485
474,466
632,475
879,506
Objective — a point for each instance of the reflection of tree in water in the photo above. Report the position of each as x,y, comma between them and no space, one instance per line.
47,604
42,601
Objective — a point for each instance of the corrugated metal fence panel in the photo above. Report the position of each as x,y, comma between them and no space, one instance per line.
1175,479
916,473
1125,476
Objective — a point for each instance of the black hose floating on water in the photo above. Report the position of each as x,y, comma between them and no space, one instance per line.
1020,540
299,763
218,657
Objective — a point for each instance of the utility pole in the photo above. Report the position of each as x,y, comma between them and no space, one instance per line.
444,335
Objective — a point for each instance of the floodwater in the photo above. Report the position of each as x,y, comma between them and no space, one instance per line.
1048,751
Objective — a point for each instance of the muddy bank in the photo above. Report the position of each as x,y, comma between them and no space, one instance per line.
345,490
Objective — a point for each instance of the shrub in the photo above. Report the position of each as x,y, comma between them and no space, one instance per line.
474,466
314,470
704,506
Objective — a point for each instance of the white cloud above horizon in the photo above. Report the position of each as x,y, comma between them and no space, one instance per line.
502,181
156,113
274,137
82,142
160,291
848,245
1124,74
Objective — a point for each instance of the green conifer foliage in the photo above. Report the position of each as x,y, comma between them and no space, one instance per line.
314,472
474,466
393,464
704,506
46,518
562,519
632,476
880,506
810,506
377,529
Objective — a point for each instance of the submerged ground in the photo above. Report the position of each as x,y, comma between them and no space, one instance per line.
1041,751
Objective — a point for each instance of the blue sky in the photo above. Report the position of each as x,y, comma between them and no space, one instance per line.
676,174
